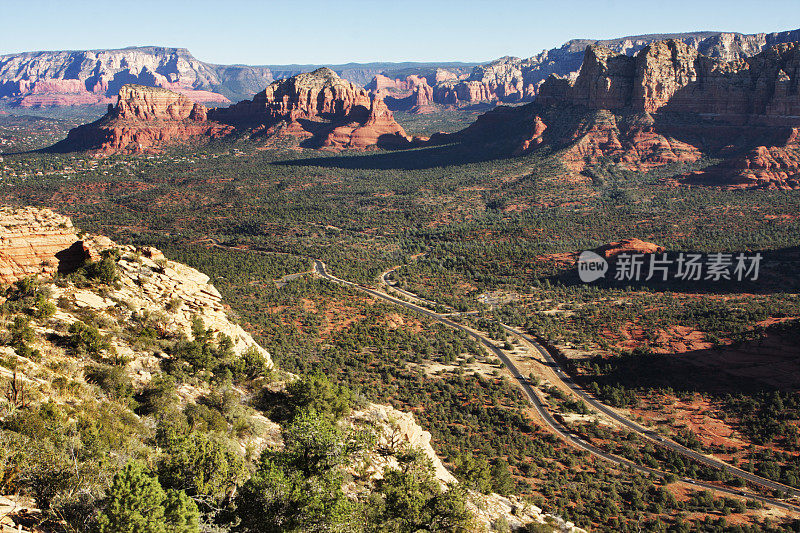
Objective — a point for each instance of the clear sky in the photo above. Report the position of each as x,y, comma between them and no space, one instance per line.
315,31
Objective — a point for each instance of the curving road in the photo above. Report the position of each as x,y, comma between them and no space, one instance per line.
647,433
556,426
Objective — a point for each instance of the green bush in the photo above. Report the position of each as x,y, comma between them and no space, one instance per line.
113,380
202,465
105,270
138,504
86,339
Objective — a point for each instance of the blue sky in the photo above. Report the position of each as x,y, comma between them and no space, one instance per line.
313,31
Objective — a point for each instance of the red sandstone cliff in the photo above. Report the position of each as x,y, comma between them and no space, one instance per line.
667,104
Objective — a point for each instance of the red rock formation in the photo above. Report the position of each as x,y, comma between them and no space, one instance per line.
535,138
318,108
629,246
413,95
773,167
380,129
383,84
322,109
36,242
671,104
672,76
313,95
633,144
144,120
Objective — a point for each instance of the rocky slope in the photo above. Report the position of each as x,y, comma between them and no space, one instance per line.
140,319
39,243
667,104
316,110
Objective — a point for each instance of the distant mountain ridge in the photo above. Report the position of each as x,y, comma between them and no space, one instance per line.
64,78
61,78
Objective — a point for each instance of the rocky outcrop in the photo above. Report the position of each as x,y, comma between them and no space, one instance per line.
629,246
317,109
151,285
145,120
36,242
395,430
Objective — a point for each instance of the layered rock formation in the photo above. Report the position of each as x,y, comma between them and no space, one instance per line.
45,79
149,103
511,79
667,104
318,109
144,120
35,242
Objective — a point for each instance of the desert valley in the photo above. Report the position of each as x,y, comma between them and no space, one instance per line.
548,294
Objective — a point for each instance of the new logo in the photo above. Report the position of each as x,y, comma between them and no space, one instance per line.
591,266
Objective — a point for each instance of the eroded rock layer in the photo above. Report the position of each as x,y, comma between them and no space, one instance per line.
35,242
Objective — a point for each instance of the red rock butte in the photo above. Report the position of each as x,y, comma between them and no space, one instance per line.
318,109
629,246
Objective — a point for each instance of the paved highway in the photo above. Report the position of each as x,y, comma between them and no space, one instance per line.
556,426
